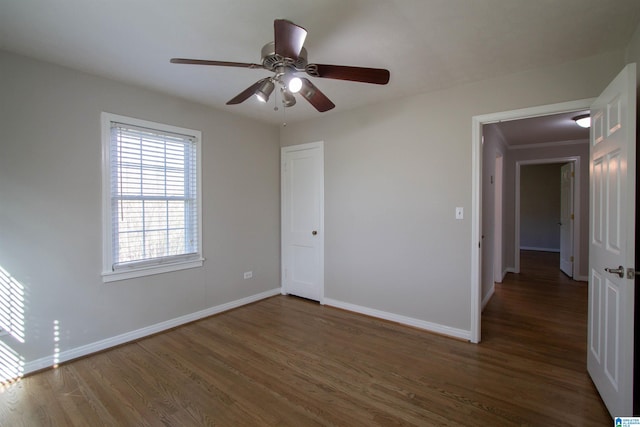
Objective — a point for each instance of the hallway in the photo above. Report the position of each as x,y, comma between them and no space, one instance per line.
539,319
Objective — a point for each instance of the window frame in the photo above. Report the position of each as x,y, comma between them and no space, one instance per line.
149,266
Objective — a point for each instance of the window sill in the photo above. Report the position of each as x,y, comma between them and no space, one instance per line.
114,276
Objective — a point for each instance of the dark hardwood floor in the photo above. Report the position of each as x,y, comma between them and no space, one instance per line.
286,361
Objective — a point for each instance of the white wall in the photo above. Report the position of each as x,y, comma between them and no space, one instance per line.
493,146
632,53
50,208
394,174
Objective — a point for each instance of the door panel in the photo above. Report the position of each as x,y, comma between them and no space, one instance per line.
595,322
612,243
611,336
614,220
302,221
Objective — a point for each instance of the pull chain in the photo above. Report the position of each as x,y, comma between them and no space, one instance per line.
284,114
284,108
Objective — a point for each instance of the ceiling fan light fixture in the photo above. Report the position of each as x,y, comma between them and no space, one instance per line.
287,98
294,85
264,91
583,120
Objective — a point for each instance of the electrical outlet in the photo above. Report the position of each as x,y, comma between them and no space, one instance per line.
248,274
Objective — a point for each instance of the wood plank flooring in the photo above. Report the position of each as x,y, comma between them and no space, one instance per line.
286,361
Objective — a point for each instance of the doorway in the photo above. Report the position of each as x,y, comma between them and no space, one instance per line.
531,243
477,184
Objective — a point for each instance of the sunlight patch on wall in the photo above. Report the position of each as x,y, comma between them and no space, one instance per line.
11,305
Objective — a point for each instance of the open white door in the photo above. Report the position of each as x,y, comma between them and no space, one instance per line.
302,186
566,218
611,250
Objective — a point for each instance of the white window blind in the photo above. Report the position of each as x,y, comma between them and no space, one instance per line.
153,197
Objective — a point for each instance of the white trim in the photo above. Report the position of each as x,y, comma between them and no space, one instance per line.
476,229
498,213
114,276
301,147
548,144
538,111
487,297
175,263
85,350
504,274
476,189
404,320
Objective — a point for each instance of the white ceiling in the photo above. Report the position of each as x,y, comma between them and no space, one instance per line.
543,129
426,44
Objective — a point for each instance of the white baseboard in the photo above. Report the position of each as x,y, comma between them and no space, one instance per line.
575,277
410,321
504,274
534,248
487,297
74,353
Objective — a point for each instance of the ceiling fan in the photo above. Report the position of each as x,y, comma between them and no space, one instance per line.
286,57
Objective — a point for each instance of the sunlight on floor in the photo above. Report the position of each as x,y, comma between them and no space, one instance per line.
11,366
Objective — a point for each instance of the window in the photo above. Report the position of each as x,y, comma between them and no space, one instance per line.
151,198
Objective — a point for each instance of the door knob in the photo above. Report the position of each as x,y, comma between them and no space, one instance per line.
619,271
314,232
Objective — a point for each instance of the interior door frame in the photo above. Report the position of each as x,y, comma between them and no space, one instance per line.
498,203
576,207
476,192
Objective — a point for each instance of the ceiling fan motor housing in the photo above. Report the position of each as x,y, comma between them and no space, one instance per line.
271,61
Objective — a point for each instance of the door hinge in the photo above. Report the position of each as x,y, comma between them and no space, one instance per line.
571,258
571,216
573,174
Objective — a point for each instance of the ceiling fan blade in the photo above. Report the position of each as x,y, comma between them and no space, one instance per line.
316,98
218,63
289,38
377,76
246,94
